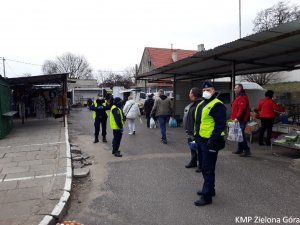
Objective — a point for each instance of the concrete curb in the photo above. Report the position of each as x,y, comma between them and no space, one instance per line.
61,207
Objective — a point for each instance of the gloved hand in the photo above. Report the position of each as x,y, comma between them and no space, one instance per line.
122,130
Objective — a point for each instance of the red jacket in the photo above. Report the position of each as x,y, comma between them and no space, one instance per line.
240,108
267,107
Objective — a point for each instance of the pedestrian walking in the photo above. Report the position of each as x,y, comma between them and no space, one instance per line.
117,119
131,111
162,109
188,125
99,108
210,123
148,108
267,109
240,112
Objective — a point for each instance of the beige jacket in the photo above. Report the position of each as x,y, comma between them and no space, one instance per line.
162,106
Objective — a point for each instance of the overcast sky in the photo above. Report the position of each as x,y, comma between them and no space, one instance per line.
112,34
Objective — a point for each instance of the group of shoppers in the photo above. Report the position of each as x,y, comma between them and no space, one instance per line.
204,122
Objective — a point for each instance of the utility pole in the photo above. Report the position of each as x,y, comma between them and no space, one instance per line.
240,18
3,61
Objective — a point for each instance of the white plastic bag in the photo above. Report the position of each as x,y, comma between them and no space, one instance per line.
235,132
152,123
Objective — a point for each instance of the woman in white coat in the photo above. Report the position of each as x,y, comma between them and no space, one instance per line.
131,111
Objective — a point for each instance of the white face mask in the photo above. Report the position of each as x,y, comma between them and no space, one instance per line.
206,95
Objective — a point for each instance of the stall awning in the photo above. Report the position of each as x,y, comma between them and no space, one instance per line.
277,49
38,80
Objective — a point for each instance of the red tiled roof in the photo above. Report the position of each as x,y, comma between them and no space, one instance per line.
163,56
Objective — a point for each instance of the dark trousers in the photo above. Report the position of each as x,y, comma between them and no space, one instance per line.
103,123
116,141
243,146
266,124
209,160
163,120
148,120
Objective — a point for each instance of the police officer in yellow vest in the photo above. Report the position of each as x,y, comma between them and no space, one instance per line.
210,122
116,119
100,114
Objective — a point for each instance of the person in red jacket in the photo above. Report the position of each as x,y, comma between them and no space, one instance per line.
240,112
266,109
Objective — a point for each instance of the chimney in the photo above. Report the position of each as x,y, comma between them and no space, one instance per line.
174,55
201,48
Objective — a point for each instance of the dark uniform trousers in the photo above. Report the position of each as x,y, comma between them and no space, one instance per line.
209,160
103,123
116,140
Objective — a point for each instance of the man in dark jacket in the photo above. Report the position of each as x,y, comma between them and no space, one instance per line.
148,107
188,125
117,120
99,108
210,123
240,112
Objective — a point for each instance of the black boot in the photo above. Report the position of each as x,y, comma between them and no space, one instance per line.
198,170
104,139
191,164
118,154
202,202
96,139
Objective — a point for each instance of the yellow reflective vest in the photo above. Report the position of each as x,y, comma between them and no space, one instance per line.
96,105
207,124
112,121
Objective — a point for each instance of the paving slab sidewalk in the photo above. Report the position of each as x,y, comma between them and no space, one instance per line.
35,172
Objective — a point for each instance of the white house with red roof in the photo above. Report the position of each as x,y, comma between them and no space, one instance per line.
157,57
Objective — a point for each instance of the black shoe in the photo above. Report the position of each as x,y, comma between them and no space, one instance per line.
238,152
104,139
96,140
164,141
118,154
203,202
245,154
133,133
198,170
261,144
213,194
191,165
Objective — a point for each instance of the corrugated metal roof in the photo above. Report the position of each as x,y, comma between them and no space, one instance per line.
34,80
277,49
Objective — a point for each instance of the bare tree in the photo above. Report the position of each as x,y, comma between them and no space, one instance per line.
263,78
266,19
76,65
110,79
275,15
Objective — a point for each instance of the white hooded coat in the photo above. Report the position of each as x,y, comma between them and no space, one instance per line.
131,110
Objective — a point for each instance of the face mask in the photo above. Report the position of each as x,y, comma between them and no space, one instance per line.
206,95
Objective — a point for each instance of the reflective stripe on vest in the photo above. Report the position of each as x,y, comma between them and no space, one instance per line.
207,124
112,121
96,105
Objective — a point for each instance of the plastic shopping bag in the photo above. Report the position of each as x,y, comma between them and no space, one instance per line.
235,132
152,123
172,122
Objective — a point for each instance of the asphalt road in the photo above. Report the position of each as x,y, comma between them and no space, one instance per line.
149,184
